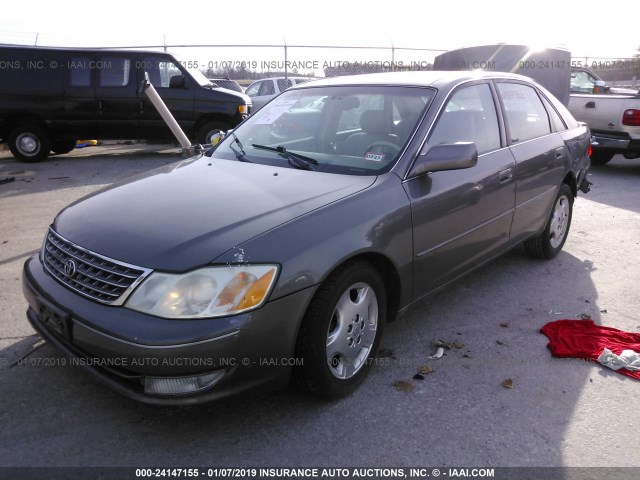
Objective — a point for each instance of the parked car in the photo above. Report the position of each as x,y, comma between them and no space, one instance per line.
261,91
50,97
281,253
612,113
226,83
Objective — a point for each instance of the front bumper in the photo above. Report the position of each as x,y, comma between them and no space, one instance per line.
122,348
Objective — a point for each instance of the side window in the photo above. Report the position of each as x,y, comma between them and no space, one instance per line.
267,88
469,116
556,120
526,116
80,71
253,89
282,86
582,82
114,72
160,71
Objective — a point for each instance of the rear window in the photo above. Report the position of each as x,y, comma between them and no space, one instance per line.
526,116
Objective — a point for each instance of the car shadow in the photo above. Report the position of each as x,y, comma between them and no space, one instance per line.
460,414
609,180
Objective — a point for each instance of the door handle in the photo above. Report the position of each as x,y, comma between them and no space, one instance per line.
100,106
559,152
141,105
590,105
505,175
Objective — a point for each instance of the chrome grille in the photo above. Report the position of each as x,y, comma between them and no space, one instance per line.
99,278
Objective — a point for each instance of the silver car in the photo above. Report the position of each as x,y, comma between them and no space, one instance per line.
285,249
261,91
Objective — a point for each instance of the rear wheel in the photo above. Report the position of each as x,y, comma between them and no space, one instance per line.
63,146
600,157
29,143
549,244
341,331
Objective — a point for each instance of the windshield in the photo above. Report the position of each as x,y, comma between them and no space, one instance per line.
357,130
192,68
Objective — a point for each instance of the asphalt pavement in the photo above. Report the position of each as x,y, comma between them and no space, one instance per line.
559,412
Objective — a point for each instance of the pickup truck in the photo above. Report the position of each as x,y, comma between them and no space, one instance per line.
613,115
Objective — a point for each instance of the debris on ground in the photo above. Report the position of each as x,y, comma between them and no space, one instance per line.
425,370
508,383
418,376
438,354
584,316
386,353
449,345
504,325
499,342
7,180
403,386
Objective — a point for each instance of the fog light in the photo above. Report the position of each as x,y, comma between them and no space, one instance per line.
180,385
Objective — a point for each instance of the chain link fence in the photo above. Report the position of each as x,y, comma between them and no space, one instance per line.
246,63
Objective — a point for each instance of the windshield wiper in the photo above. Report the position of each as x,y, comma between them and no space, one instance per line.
240,155
300,160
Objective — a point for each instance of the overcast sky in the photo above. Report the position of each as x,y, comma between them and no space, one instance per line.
585,28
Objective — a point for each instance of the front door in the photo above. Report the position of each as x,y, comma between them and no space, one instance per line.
461,217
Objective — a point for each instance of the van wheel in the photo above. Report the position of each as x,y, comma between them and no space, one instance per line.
341,331
29,143
208,130
549,244
63,146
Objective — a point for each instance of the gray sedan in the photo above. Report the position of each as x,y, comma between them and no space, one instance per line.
285,249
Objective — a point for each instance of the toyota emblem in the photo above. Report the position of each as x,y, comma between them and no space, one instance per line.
70,268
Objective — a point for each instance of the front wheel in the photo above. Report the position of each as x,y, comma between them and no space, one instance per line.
549,244
208,130
29,143
341,331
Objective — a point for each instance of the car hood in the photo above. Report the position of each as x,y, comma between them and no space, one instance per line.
185,215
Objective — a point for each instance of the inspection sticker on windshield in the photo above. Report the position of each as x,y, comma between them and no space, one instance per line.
275,111
374,157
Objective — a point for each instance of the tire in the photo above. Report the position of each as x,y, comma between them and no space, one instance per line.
208,130
550,243
62,146
600,157
29,143
341,332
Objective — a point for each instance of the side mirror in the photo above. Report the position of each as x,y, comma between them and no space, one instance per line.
599,86
450,156
177,81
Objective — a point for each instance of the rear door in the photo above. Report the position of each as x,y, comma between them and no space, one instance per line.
539,152
116,95
80,99
462,217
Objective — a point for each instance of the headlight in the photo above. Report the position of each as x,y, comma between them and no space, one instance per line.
207,292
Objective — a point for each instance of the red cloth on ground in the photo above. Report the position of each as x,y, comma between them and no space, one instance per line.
584,339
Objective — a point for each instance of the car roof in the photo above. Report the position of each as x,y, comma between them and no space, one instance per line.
437,79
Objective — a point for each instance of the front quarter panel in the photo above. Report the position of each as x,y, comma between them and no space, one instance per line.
376,220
